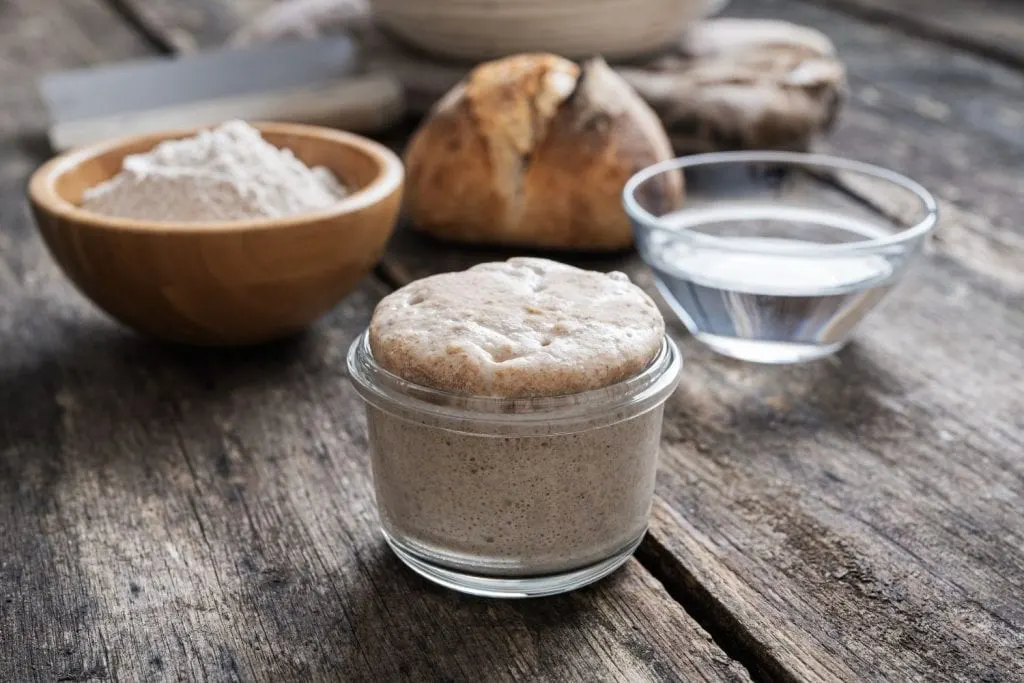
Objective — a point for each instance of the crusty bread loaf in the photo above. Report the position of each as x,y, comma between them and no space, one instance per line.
533,151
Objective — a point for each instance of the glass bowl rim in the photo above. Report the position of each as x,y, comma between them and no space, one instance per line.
642,216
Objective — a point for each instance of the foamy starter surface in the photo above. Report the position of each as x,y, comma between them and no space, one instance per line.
524,327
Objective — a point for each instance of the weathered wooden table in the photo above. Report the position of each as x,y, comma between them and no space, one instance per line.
170,514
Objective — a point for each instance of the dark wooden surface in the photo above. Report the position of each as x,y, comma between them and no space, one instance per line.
172,514
191,515
989,27
860,518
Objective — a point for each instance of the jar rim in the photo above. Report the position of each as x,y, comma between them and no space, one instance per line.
383,388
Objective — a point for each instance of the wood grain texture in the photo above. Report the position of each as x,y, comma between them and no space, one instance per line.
855,517
858,518
39,37
921,85
170,514
994,28
189,25
872,496
946,118
209,516
214,284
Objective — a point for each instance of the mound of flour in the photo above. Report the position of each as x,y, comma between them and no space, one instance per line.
228,173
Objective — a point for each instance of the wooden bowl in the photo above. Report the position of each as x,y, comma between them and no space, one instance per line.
228,283
478,30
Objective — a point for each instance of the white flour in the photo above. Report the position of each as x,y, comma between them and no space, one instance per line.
225,174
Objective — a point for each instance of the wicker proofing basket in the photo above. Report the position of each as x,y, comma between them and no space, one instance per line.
486,29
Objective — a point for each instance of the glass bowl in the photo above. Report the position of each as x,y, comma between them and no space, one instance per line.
775,257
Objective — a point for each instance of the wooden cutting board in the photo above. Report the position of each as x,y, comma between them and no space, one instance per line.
321,81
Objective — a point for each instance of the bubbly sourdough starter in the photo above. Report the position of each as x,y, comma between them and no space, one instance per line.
533,504
524,327
512,505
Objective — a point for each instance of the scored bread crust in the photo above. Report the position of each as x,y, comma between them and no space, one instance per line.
534,151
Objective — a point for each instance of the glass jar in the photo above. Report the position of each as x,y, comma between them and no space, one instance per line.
514,497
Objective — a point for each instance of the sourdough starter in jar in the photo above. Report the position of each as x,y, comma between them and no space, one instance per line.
520,430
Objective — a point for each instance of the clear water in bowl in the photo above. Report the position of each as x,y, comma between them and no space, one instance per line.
755,301
775,257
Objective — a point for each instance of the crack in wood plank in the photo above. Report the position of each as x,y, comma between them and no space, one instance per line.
712,614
